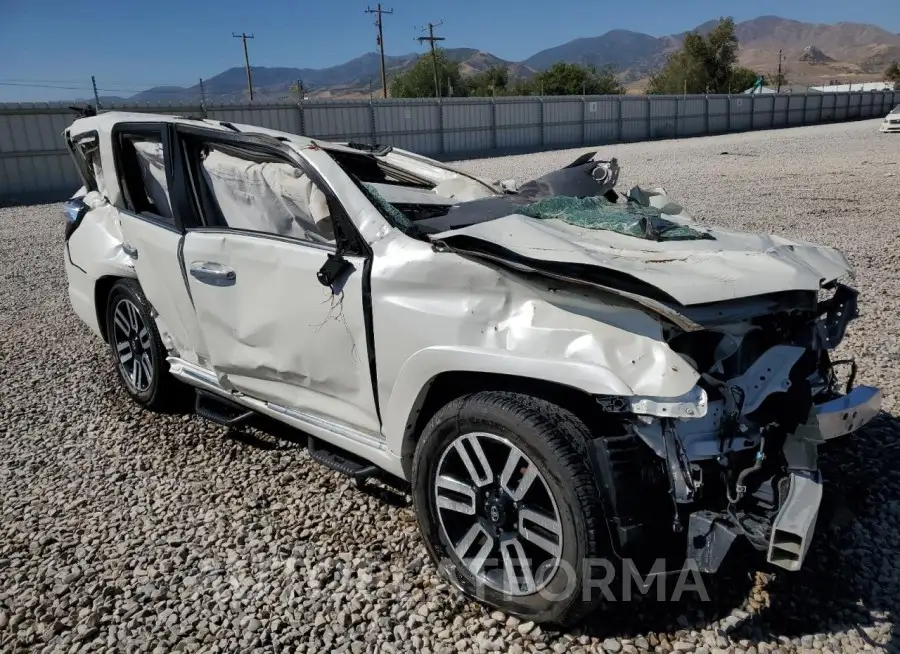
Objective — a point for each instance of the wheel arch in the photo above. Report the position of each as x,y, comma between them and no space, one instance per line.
433,378
102,289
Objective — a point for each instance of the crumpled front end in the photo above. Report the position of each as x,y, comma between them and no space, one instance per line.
737,458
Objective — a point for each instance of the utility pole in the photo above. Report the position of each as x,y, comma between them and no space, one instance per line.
379,11
778,78
96,95
431,38
202,98
243,37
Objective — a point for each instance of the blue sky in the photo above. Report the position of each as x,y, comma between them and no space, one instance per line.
130,46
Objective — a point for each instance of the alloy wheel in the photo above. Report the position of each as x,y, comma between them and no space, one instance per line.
134,346
497,514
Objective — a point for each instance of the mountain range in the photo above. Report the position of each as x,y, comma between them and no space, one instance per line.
814,53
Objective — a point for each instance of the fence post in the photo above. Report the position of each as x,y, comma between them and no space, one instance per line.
706,114
493,124
441,122
543,138
821,107
752,111
805,101
678,103
583,119
649,122
728,114
300,116
374,134
618,119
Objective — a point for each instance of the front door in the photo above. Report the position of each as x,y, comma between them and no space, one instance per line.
273,331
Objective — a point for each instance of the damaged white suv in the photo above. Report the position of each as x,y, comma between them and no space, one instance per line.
562,373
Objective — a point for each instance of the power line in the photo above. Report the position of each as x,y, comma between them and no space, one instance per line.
243,37
47,86
88,87
80,82
379,11
431,38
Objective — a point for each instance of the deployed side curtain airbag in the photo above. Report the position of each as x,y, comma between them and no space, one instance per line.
153,171
275,198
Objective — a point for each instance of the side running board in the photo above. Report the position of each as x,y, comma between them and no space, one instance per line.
220,410
343,462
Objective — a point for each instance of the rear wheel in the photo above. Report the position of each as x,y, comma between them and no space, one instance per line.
137,351
507,505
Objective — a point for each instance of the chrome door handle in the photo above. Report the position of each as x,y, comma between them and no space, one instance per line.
130,250
210,272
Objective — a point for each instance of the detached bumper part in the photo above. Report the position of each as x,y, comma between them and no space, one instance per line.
710,537
846,414
796,521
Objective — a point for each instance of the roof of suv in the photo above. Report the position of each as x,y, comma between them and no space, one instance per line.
104,122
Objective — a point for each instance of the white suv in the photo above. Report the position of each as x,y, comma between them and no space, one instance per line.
563,374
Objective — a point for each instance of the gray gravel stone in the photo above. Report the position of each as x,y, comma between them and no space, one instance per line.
171,518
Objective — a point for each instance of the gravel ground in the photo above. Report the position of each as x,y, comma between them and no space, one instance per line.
126,531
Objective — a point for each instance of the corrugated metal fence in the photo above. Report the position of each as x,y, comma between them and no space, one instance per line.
33,161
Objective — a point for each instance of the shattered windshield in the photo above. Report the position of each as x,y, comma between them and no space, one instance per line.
580,194
628,218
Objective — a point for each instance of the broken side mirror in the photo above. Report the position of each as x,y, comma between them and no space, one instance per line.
334,271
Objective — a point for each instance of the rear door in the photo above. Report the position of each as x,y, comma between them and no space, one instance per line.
149,170
273,328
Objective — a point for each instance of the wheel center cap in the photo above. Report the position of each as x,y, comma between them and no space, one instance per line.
499,509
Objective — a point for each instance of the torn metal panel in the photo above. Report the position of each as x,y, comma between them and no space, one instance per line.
770,373
489,320
726,266
96,246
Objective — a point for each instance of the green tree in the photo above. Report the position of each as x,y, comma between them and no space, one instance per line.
742,79
892,74
493,81
572,79
418,81
705,64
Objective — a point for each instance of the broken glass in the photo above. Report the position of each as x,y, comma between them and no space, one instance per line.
628,218
397,218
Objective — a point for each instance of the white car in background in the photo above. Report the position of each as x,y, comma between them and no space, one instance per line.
561,372
891,122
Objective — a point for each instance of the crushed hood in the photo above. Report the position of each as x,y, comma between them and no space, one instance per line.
727,266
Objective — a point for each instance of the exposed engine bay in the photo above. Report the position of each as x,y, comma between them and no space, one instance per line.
740,459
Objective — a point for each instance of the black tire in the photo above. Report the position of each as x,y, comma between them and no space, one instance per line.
553,438
163,391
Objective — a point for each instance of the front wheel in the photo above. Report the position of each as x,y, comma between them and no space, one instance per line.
507,506
138,353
